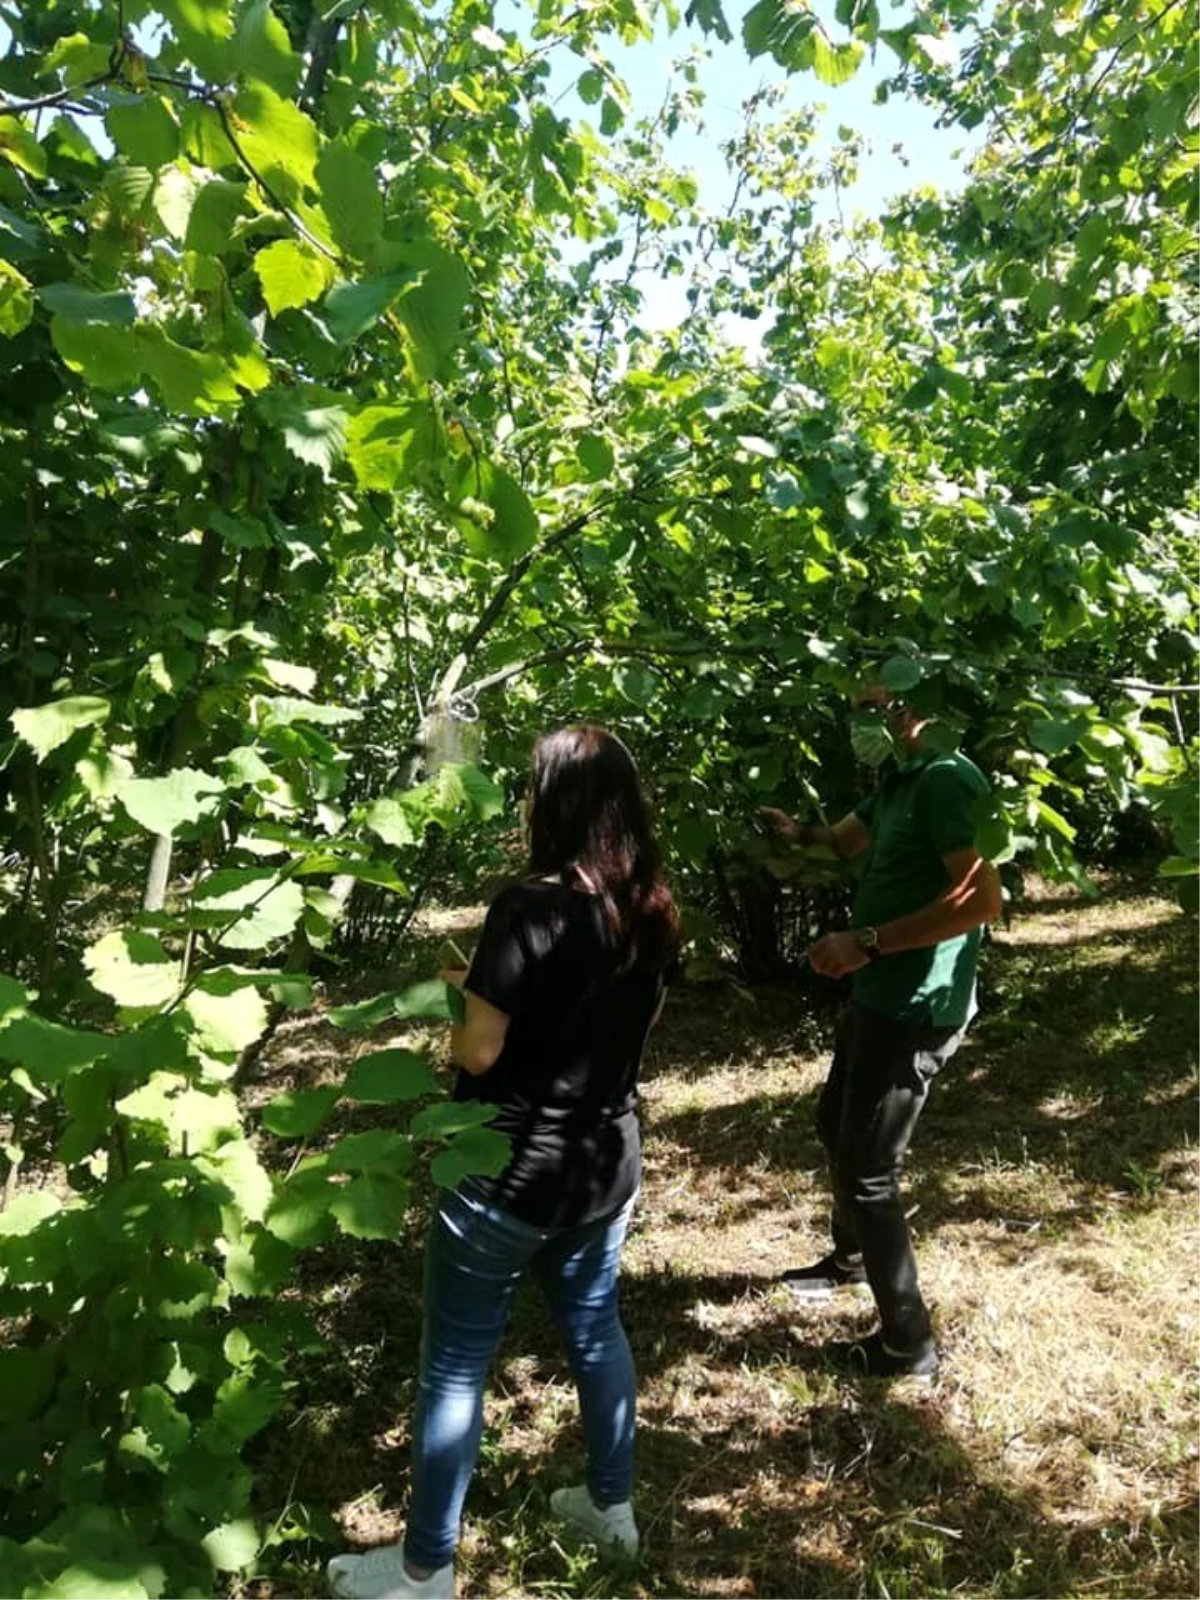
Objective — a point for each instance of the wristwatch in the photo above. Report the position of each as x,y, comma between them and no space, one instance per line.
868,942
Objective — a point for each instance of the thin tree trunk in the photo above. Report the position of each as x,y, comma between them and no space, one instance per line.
158,871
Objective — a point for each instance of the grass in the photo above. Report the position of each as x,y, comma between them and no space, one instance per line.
1053,1192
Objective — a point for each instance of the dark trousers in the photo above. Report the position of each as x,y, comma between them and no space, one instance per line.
877,1085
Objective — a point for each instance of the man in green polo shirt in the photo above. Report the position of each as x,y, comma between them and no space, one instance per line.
913,945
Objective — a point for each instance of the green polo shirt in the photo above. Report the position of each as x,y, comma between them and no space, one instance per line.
921,811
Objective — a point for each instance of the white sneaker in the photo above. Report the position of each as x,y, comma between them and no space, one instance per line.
612,1529
380,1575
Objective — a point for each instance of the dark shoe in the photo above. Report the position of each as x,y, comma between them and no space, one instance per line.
818,1282
871,1358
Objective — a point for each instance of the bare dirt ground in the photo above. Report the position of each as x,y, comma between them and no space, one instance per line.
1053,1189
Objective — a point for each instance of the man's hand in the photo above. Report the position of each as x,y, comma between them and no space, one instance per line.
782,825
455,976
836,954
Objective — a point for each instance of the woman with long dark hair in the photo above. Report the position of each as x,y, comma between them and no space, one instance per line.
568,979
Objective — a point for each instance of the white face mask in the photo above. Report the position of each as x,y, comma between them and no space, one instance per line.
870,738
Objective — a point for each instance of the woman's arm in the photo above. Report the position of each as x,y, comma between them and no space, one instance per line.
476,1041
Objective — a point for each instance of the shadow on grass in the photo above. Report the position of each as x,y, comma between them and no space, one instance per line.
838,1487
1083,1077
1086,1068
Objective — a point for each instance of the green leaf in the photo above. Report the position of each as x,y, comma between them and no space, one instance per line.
245,1404
20,239
95,1579
45,727
365,1152
386,818
514,527
637,682
47,1050
352,308
300,1112
164,1430
432,309
314,434
258,1264
710,16
14,999
1054,819
18,146
26,1382
387,1077
263,50
433,999
835,63
1054,735
439,1001
943,738
103,774
194,1119
133,969
76,305
203,28
236,1165
596,458
181,798
26,1213
291,275
199,383
476,1152
214,211
461,786
901,673
384,443
282,710
108,358
782,29
78,58
364,1014
16,300
300,1213
226,1024
372,1206
1179,867
156,1045
279,139
232,1546
145,129
449,1118
350,198
269,909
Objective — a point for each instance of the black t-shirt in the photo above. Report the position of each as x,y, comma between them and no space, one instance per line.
566,1079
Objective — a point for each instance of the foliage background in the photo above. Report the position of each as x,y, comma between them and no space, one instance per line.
334,453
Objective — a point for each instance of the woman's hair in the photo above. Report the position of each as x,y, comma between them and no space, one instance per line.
588,821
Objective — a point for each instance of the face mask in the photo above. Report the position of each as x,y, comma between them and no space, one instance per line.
870,740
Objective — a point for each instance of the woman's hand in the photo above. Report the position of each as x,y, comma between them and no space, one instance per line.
456,976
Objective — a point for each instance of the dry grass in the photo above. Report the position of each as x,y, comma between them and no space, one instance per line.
1054,1186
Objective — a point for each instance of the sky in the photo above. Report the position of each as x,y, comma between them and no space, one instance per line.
902,147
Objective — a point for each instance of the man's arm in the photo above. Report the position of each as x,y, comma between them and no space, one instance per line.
847,838
970,898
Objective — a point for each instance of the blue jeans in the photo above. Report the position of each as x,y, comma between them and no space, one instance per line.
476,1257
